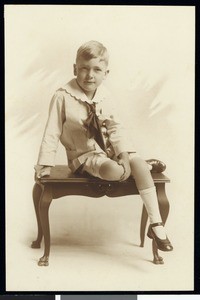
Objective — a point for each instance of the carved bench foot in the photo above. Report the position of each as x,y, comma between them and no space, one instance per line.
157,259
43,261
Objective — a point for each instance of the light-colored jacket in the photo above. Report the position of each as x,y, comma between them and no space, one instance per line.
67,114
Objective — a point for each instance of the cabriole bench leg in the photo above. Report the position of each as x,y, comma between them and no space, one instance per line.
37,192
143,224
162,201
164,211
45,202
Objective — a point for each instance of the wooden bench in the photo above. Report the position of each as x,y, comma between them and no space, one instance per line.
62,182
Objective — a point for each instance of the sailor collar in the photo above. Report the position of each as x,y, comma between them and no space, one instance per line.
75,91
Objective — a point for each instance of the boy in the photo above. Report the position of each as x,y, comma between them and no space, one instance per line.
93,138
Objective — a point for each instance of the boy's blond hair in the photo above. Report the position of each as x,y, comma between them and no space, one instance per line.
93,49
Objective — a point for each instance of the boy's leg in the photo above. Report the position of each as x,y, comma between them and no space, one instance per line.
103,167
110,170
144,182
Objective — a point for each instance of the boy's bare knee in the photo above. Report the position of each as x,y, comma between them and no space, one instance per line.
139,164
138,161
111,171
141,173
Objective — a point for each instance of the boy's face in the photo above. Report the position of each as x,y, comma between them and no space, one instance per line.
90,74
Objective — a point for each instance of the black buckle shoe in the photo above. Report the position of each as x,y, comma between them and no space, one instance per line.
157,165
162,244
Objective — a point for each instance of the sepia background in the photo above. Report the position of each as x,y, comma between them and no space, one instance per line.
95,241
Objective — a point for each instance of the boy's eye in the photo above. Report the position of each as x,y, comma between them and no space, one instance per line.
98,70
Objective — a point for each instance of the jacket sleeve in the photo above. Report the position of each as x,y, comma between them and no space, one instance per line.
117,133
52,131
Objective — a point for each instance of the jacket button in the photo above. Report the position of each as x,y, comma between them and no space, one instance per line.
103,130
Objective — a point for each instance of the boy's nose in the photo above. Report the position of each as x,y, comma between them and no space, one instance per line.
90,74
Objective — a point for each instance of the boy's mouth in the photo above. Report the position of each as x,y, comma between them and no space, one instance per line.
89,82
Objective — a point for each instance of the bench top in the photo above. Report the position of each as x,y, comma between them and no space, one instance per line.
62,173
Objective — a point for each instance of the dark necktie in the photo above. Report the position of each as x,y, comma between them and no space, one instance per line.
93,126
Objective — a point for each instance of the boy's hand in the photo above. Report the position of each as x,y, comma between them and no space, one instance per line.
124,162
42,171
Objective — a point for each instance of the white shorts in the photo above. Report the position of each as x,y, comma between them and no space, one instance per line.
93,163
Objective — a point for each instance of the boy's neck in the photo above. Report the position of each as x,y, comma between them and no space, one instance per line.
90,95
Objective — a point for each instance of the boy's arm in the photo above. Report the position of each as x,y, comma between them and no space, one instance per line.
52,132
42,171
117,134
118,137
124,161
121,142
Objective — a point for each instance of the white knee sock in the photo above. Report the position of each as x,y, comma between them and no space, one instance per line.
150,200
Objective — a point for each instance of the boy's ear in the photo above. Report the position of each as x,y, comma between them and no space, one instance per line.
106,73
75,70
